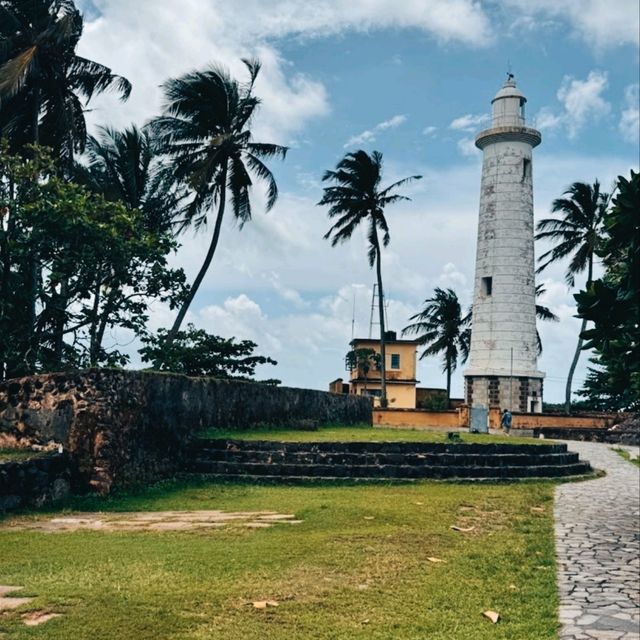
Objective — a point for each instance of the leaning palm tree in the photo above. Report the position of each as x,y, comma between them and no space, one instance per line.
442,328
354,198
206,137
44,84
575,235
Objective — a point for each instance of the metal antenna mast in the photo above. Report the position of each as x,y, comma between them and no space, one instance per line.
373,316
353,317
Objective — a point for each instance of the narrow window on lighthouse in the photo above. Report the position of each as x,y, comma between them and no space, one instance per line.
526,169
487,285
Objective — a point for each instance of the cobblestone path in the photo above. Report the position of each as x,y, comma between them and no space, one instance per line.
598,549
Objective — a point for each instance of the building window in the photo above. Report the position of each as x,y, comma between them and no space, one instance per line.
375,393
487,286
526,169
395,360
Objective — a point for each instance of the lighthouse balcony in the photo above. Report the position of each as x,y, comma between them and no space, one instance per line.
508,134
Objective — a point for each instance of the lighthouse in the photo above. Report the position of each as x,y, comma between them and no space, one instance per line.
503,368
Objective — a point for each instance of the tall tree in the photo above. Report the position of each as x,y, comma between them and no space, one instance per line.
442,328
206,136
43,82
356,197
612,304
195,352
576,235
110,263
124,166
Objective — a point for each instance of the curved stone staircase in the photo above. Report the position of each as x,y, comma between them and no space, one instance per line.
267,460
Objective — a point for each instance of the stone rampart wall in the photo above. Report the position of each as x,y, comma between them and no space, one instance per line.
34,482
124,427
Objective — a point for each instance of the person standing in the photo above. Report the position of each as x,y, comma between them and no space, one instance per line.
506,420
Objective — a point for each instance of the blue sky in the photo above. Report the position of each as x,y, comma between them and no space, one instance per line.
413,80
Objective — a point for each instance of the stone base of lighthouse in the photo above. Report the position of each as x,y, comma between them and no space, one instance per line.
517,393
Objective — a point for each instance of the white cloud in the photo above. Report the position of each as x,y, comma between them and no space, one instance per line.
369,135
546,119
446,20
600,23
469,122
162,39
289,294
467,147
582,102
630,116
452,278
429,131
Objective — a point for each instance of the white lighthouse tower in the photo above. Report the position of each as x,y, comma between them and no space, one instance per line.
503,368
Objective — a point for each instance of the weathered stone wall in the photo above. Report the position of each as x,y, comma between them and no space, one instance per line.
513,393
417,418
34,482
124,427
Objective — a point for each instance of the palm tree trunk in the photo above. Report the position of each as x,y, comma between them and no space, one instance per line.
383,350
448,386
205,265
576,357
574,363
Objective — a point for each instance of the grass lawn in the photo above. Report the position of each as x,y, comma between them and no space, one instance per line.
361,433
11,455
357,567
627,456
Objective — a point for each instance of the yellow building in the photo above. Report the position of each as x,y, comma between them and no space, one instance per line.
400,372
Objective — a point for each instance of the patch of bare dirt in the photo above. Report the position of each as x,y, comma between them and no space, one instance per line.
155,521
36,618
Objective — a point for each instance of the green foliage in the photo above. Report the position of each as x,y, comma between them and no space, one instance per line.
364,360
195,352
442,329
72,266
205,136
355,197
435,402
43,82
576,235
612,304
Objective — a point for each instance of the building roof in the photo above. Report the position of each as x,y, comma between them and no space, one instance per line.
509,90
377,341
388,381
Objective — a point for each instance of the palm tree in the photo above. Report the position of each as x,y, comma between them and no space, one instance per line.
125,166
575,234
363,360
442,328
42,80
543,313
204,132
354,198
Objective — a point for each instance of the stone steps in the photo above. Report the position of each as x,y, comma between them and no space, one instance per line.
388,470
410,459
379,461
